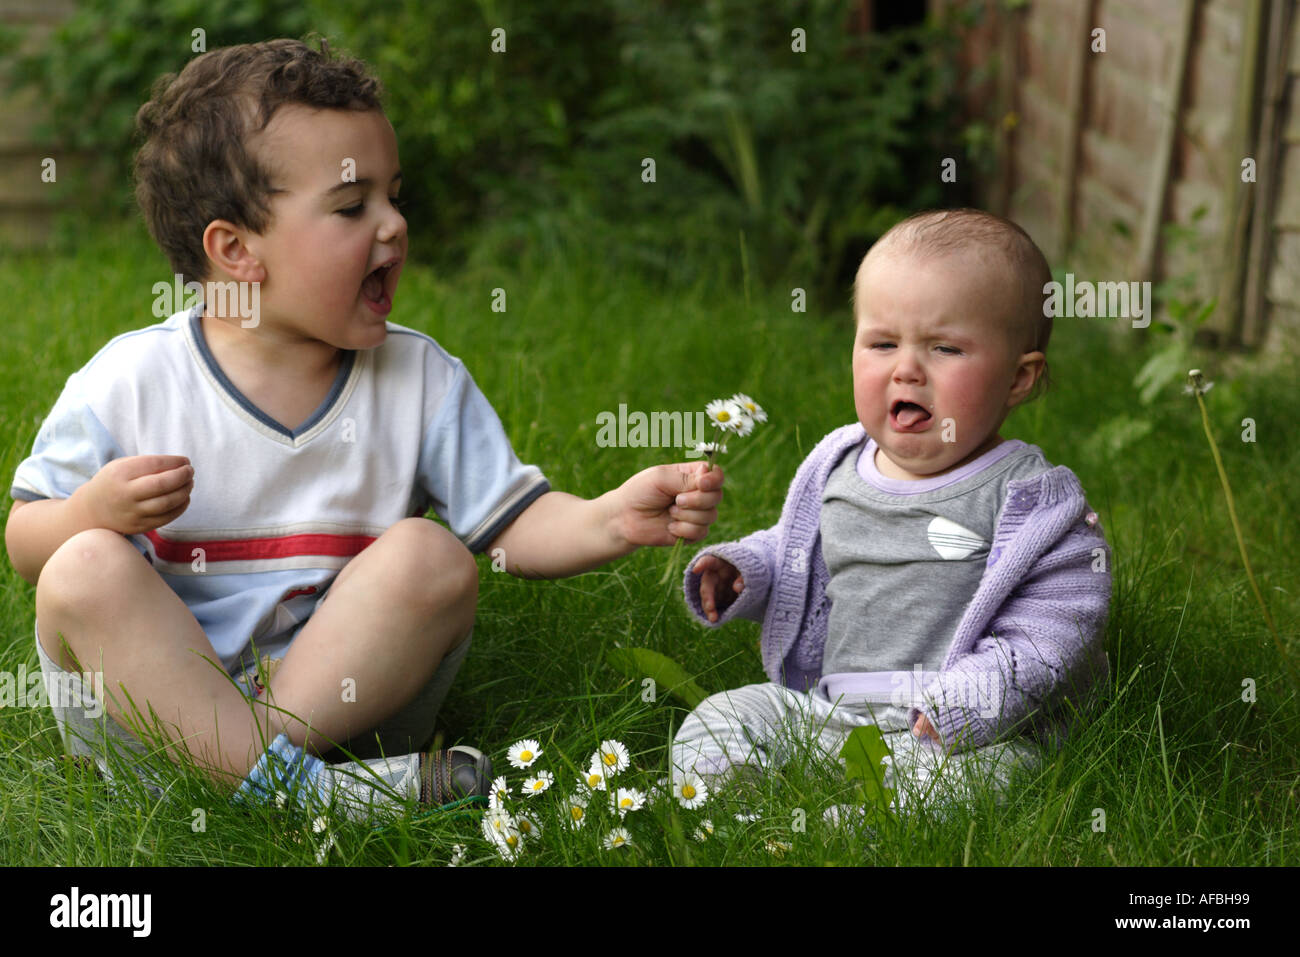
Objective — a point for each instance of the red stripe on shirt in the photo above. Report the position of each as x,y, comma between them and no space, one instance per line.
255,549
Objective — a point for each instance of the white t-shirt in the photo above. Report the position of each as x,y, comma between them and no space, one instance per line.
275,514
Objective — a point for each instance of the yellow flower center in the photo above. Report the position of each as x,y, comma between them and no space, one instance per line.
539,784
512,840
724,415
525,755
593,780
611,758
576,812
626,802
688,792
524,826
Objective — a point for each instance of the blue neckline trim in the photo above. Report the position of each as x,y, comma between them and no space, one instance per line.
340,379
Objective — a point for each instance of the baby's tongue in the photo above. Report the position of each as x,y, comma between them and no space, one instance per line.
372,286
909,414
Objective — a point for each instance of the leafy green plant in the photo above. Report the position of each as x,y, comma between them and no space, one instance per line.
864,754
1186,311
98,67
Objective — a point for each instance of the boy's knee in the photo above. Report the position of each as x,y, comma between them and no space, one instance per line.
436,567
85,569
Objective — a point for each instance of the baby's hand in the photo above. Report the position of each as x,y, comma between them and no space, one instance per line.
720,583
138,493
923,729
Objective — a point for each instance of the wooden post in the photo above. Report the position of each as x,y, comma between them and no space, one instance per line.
1074,125
1149,234
1268,167
1238,197
1009,25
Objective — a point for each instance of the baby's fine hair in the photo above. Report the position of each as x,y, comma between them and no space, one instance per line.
195,164
946,231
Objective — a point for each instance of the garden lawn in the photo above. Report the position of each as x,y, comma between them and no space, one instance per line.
1173,767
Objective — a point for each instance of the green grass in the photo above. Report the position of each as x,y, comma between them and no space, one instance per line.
1184,770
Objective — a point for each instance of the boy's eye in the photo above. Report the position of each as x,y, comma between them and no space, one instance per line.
352,211
397,203
882,345
949,350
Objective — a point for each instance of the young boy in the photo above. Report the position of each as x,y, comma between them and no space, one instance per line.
926,574
272,468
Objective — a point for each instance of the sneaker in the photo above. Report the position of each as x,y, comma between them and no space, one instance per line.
455,777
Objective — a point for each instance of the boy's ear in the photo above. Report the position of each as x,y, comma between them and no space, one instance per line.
1029,370
224,244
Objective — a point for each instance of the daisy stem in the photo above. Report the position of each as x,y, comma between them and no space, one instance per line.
671,570
1241,542
744,268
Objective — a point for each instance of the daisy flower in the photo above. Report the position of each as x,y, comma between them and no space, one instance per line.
594,779
457,855
528,827
500,793
710,448
280,798
704,831
523,753
724,414
323,851
752,408
619,837
577,811
319,824
691,791
777,848
535,786
499,828
627,799
744,425
611,756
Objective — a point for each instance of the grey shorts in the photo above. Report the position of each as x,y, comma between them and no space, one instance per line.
87,730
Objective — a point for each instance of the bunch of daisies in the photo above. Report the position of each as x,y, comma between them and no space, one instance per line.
735,416
512,819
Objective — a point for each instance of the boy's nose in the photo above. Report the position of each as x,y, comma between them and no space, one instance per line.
394,226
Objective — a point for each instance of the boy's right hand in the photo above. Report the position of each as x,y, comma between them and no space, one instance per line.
138,493
720,583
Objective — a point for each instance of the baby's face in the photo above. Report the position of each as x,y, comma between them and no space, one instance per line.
935,370
336,243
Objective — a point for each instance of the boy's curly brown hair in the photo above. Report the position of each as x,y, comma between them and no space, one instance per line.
195,165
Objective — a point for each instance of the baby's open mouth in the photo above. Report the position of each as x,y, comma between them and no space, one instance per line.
372,287
908,414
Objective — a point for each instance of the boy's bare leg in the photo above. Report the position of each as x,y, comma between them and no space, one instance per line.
391,615
389,618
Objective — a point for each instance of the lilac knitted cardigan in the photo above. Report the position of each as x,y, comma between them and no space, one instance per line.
1031,636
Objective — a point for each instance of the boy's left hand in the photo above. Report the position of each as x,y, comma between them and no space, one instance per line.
666,502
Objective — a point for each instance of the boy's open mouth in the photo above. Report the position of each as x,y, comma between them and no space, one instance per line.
908,416
373,287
